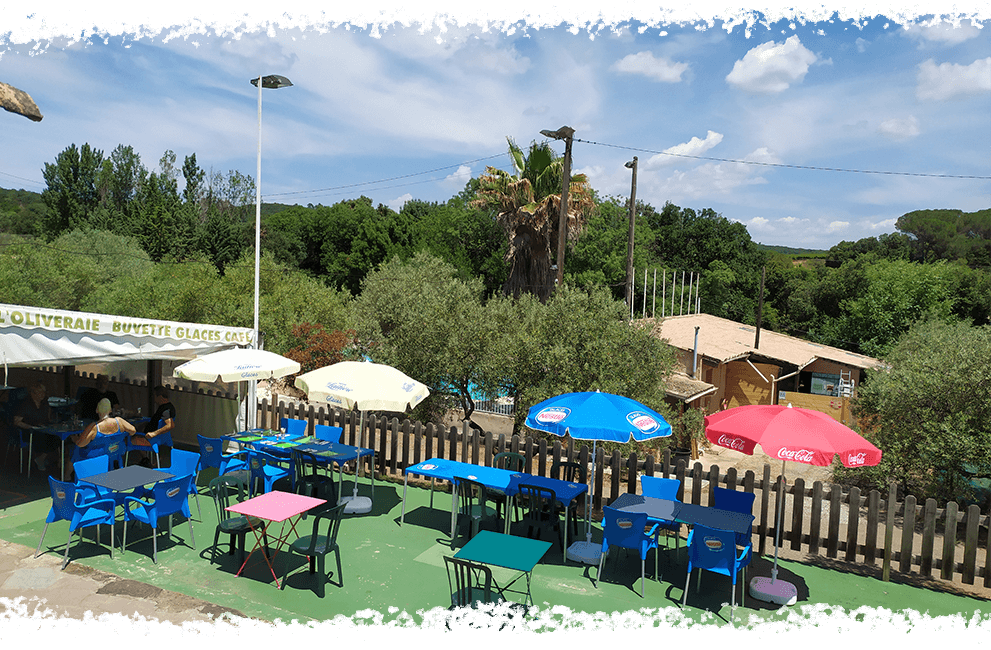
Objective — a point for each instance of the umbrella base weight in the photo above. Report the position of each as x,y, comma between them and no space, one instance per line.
356,505
773,591
585,552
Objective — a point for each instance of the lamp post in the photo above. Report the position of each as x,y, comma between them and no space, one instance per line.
564,133
268,81
629,246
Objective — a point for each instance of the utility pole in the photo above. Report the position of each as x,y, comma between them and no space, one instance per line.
629,246
564,133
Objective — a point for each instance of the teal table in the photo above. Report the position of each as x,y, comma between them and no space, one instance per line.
508,552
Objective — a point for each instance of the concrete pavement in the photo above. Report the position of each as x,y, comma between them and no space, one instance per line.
41,585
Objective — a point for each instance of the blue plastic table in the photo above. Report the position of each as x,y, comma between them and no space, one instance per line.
685,513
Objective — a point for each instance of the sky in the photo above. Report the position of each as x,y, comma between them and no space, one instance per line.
810,126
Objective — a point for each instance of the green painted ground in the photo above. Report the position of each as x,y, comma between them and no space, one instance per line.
390,570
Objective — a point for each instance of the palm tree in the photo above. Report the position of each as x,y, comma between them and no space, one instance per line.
529,204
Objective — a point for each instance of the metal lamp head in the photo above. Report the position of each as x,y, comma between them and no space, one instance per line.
563,133
272,81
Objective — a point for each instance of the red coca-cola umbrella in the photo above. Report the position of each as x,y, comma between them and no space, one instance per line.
797,434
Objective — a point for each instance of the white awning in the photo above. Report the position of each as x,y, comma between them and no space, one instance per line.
32,336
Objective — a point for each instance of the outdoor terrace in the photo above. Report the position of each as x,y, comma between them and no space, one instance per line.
396,573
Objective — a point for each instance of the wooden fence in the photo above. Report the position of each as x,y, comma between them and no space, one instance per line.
943,543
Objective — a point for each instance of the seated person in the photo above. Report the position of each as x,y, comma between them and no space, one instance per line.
105,424
162,421
35,412
90,398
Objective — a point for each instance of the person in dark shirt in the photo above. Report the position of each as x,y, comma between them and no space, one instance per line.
35,412
162,421
92,397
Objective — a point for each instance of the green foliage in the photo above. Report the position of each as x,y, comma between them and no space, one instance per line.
930,413
71,192
21,212
313,347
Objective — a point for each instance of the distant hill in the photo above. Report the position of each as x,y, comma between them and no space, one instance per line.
799,252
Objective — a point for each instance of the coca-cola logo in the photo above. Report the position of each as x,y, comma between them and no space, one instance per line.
552,414
856,459
731,443
643,421
800,455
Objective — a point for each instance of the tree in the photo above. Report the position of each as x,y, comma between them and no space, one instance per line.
71,192
419,317
930,411
528,204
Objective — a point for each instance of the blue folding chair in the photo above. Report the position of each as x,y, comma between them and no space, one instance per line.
168,498
714,550
627,530
663,488
79,512
293,426
725,499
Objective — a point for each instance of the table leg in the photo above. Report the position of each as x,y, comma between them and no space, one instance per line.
566,511
62,466
454,509
402,516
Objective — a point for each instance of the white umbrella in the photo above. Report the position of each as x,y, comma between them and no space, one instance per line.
365,386
237,364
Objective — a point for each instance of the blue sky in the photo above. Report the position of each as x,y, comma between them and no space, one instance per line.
397,112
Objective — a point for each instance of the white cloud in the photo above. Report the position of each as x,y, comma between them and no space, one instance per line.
939,31
899,128
885,225
862,45
398,202
459,177
837,226
946,80
694,147
772,68
646,64
712,179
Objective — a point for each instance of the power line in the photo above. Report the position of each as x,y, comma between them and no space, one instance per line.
786,165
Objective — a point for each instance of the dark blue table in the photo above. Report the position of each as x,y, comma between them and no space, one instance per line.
685,513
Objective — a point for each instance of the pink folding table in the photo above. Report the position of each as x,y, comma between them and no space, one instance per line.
270,508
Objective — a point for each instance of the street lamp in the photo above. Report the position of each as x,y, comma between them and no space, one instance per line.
268,81
564,133
629,247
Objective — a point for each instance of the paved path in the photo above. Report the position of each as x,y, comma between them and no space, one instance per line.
80,589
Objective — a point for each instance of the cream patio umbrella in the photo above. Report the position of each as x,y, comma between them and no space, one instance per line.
237,364
365,386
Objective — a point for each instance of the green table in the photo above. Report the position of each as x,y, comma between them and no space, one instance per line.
507,551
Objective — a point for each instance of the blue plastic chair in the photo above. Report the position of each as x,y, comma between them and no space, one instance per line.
159,441
113,446
91,467
328,433
663,488
627,530
169,497
293,426
212,455
714,550
183,463
725,499
269,469
67,505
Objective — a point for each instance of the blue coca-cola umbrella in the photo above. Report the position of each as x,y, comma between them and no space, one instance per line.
596,416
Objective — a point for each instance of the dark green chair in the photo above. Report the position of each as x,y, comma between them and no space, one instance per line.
540,511
572,473
316,547
472,497
223,489
472,583
514,462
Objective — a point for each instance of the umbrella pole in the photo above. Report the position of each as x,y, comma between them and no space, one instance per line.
780,592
